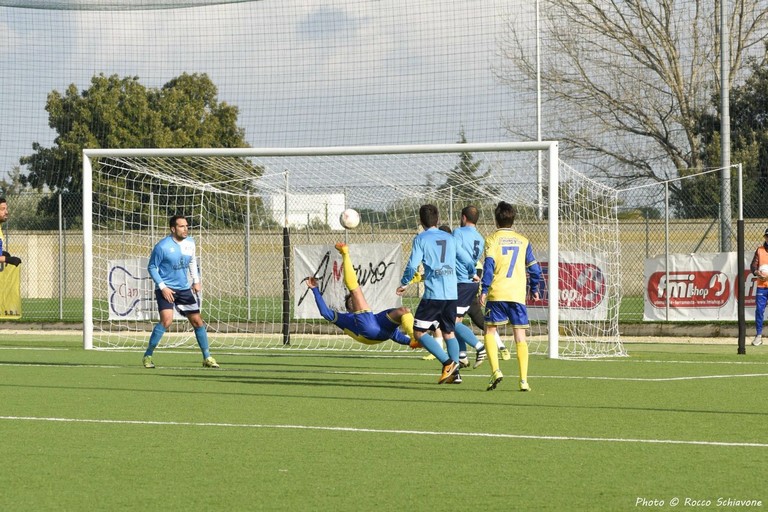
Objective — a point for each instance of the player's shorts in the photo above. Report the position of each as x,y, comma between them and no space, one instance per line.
377,327
185,302
467,294
501,313
433,313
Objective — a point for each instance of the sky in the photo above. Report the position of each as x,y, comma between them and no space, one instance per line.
302,73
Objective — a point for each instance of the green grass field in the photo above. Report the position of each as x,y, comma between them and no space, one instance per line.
290,430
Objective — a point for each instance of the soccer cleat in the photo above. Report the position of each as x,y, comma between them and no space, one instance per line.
524,386
147,361
482,355
758,340
505,354
457,380
463,361
428,357
210,362
450,372
495,379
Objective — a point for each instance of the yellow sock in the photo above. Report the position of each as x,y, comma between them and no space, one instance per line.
522,359
350,278
406,322
492,350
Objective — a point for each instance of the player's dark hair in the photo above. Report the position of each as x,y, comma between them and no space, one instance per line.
348,303
172,221
428,215
471,213
445,228
504,214
2,200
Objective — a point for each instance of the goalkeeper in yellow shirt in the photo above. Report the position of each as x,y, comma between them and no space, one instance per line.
509,269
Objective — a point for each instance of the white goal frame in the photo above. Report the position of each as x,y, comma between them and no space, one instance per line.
553,201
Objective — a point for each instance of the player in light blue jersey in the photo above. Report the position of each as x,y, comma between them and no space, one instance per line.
471,243
171,265
436,251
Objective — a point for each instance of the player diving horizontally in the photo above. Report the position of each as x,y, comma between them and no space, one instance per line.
360,323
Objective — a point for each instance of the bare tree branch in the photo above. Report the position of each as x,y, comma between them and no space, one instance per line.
624,83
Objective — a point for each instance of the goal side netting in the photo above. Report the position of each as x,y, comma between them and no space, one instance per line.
265,219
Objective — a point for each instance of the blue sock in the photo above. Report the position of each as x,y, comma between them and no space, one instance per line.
466,337
201,335
154,338
453,348
434,348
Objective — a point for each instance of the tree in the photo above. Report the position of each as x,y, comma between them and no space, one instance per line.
119,112
749,139
624,86
466,182
23,204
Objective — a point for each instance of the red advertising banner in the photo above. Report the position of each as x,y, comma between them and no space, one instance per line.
695,287
582,286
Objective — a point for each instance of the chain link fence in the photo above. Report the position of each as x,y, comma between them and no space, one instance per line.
45,230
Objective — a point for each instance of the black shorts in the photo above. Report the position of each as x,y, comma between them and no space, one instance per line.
185,302
433,313
467,295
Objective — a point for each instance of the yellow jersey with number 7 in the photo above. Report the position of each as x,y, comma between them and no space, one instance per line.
508,262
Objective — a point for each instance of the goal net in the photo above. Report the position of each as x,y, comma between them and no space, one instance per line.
265,219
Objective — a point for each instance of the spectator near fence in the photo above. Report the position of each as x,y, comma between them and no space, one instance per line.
6,256
759,268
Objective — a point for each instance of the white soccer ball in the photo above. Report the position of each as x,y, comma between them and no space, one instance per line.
349,218
762,270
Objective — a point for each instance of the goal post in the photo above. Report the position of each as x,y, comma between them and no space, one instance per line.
251,206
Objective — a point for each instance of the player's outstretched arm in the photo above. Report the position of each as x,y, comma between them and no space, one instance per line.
325,311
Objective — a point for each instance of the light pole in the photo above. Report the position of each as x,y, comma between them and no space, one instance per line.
725,132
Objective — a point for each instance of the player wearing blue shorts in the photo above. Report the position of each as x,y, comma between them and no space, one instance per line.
509,264
469,240
436,251
171,265
360,323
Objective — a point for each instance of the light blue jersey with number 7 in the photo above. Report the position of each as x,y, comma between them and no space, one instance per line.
436,250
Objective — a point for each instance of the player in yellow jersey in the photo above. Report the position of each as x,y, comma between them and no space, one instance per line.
359,322
509,269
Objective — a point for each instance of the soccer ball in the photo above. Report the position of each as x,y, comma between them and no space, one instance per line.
349,218
762,270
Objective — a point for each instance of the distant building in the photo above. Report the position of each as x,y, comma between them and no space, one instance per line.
306,209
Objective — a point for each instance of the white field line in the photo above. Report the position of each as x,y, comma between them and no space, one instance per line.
389,431
474,374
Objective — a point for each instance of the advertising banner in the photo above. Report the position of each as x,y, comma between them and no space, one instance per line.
131,290
10,292
700,286
582,279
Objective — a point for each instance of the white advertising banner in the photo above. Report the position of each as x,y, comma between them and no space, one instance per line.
583,284
131,290
699,286
378,267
